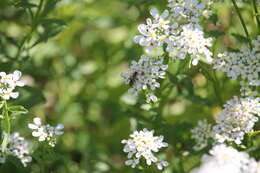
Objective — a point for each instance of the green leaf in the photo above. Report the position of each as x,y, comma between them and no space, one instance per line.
172,78
51,27
17,110
48,7
214,33
230,49
240,38
214,18
15,161
30,97
24,4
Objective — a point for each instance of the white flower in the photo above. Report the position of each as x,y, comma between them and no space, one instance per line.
244,65
151,98
238,118
226,160
45,132
8,82
191,42
144,144
191,10
18,147
161,164
202,133
143,75
155,32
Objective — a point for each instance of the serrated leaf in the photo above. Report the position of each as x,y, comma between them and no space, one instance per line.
17,109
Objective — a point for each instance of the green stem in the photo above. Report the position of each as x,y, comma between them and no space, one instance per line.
7,126
34,26
215,83
242,22
254,133
256,15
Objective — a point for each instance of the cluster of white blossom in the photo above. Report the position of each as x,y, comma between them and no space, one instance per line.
226,159
155,32
182,39
244,65
191,10
237,119
143,75
18,147
45,132
8,83
143,144
201,134
191,42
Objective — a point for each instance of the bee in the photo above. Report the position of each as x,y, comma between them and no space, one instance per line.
133,78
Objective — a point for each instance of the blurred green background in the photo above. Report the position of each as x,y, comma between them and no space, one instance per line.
74,79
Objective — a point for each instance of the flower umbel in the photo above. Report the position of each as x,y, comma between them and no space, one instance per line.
143,75
143,144
45,132
237,119
202,133
244,65
191,42
226,159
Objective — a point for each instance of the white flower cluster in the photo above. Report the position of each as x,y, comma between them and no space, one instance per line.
18,147
45,132
201,134
182,39
156,31
226,160
143,75
191,10
244,65
191,42
237,119
142,144
8,82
